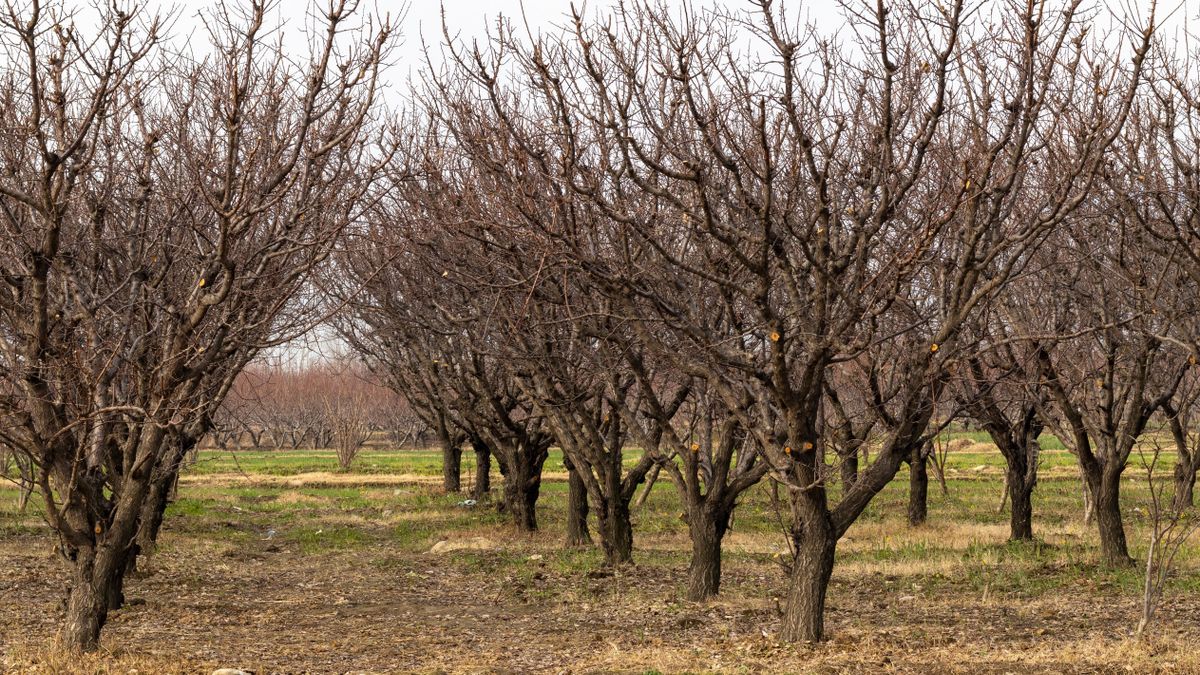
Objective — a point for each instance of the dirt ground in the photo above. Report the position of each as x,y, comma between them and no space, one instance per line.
268,609
220,593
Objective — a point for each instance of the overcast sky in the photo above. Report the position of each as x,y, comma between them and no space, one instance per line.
469,19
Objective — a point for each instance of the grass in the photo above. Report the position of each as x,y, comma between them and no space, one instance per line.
284,520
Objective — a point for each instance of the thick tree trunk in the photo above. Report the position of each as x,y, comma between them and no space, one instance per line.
1021,495
616,531
918,487
708,527
522,471
1113,548
483,471
522,505
804,615
95,582
87,606
451,466
577,508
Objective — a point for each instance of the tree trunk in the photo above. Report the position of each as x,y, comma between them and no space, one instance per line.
577,508
645,493
95,582
804,615
1021,495
87,606
162,490
918,487
153,512
848,468
708,527
616,532
1185,484
522,505
1107,498
451,466
483,471
522,471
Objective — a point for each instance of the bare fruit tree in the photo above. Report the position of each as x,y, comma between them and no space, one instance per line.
161,216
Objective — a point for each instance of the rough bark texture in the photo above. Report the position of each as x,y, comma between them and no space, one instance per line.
1020,493
1185,484
708,527
87,604
153,512
616,532
451,466
96,586
1106,490
522,470
483,471
577,508
804,618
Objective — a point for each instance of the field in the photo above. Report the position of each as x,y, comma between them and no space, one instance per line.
277,562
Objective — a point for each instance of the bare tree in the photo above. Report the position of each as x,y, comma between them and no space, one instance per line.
1000,389
1113,373
160,218
757,227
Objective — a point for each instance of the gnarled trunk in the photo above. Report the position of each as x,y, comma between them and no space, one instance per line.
153,512
1106,493
97,583
1020,493
804,615
577,508
1185,483
87,604
708,526
616,531
522,470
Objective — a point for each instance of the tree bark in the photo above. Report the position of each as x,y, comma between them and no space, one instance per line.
483,471
577,508
522,469
1107,497
1020,494
616,531
848,468
96,587
87,605
522,506
918,487
1185,484
153,512
804,616
451,466
708,527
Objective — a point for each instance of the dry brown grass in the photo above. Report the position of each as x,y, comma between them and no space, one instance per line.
948,597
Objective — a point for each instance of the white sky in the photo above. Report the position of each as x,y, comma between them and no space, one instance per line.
470,19
422,21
